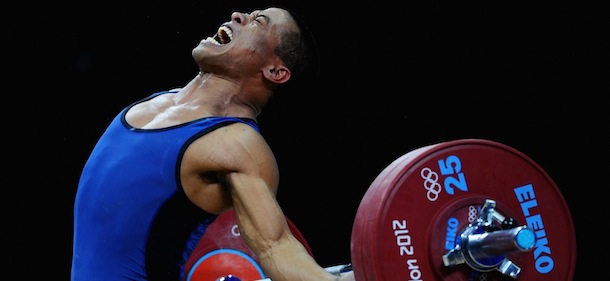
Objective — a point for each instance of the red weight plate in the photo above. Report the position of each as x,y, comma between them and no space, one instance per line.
223,233
414,210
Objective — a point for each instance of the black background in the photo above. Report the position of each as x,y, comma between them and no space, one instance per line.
394,77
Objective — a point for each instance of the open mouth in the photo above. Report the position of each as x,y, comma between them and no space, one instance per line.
224,35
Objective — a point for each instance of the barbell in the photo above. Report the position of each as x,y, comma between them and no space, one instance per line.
467,209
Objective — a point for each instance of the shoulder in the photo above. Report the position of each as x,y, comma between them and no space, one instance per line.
242,138
234,146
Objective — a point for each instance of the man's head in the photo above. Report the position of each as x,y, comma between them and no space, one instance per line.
268,42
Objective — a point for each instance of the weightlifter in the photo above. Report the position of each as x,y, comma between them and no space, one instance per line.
171,162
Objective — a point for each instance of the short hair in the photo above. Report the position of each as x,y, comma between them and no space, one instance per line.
298,50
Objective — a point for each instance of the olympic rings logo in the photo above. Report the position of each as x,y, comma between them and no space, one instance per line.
473,214
431,183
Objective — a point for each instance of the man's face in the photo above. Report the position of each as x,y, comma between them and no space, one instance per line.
245,43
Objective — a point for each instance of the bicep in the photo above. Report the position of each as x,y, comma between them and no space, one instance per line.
235,148
253,184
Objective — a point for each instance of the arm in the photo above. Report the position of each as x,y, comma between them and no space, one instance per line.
252,186
263,227
247,180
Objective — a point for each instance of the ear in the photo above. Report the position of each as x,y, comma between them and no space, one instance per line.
277,73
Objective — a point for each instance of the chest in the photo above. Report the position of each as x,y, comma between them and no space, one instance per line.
162,113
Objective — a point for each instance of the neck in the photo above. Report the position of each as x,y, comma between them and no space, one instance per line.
224,97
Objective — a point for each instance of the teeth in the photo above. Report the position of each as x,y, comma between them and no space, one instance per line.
224,35
211,40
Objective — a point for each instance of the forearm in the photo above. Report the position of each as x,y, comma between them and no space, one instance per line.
264,229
